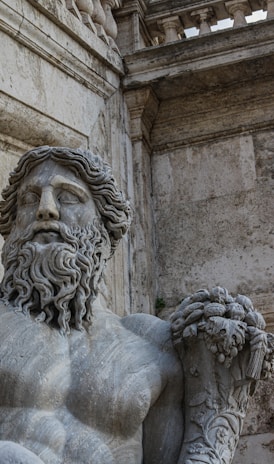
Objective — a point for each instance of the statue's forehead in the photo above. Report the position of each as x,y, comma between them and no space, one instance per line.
51,172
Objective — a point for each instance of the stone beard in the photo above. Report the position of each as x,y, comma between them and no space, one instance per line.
55,280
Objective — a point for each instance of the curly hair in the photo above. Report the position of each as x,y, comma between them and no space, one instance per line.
114,209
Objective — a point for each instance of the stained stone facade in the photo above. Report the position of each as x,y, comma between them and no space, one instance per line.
187,124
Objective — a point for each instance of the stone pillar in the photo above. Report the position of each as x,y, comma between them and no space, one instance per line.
172,27
238,10
143,107
133,33
268,5
203,18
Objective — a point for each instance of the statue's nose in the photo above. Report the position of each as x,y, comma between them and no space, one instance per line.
47,207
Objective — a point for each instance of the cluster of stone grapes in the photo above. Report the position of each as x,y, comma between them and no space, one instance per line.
210,311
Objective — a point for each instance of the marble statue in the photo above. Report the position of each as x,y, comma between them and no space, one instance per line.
80,385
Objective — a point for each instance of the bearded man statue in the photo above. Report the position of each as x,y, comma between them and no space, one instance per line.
80,385
54,260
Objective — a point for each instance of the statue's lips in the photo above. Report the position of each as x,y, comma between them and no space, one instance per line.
47,232
46,226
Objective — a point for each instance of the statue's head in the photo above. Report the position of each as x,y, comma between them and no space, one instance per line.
62,217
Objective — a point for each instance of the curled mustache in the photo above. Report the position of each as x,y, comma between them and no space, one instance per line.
17,238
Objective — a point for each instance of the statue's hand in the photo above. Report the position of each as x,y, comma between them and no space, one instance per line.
227,325
224,351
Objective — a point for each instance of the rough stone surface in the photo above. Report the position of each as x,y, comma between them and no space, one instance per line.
93,386
58,423
219,228
210,110
61,89
106,388
255,448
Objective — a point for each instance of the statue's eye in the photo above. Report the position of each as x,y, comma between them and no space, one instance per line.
29,198
68,198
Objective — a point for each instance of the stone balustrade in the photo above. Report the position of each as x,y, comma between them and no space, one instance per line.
97,16
167,20
155,22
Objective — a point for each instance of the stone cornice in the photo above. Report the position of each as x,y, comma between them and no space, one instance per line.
163,7
170,67
132,6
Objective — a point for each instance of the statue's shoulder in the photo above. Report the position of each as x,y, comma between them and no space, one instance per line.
150,328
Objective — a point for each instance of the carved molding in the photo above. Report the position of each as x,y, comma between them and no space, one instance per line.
25,30
34,128
214,50
143,107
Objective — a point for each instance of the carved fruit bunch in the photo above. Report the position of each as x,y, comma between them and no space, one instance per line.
226,324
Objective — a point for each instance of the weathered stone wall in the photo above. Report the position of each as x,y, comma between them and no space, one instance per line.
256,444
60,86
211,150
214,218
10,151
214,214
193,148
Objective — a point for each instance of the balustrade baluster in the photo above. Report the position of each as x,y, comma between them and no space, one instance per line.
99,19
85,6
238,10
86,10
110,24
268,5
97,15
204,18
172,27
72,7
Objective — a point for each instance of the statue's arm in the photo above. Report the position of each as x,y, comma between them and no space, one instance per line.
163,427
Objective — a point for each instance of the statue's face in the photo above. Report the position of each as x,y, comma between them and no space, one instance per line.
51,194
